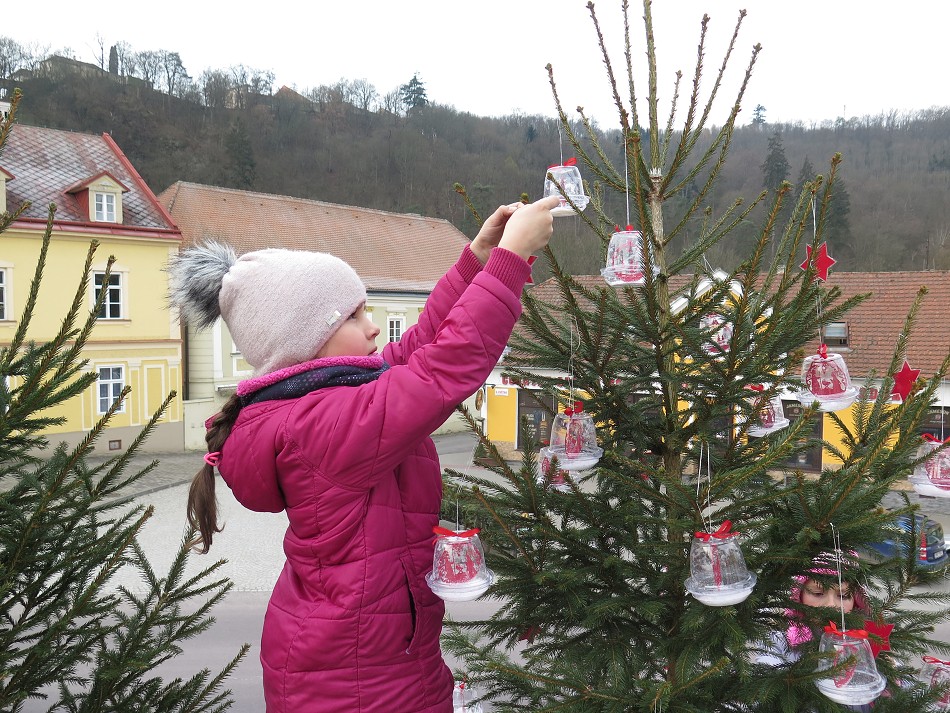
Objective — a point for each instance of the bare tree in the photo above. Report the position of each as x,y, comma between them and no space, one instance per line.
126,57
173,72
147,65
216,86
363,93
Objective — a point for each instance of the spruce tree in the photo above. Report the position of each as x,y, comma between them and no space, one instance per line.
593,613
69,640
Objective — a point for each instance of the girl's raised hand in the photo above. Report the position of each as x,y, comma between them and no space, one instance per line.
530,227
491,231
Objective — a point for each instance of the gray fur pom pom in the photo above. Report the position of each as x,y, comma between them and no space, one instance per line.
195,277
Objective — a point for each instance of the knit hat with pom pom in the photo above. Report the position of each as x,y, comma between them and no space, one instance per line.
281,306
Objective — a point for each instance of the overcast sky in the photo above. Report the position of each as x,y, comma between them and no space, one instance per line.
821,59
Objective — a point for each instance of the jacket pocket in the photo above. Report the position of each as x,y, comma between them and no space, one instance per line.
413,605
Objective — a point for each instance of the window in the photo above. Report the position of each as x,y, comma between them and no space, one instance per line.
808,458
3,293
396,325
110,384
105,207
835,334
112,306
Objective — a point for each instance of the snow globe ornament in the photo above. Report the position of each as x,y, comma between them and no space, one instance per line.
854,679
568,177
465,699
827,381
459,572
556,479
932,476
625,258
769,415
720,333
574,439
937,673
718,574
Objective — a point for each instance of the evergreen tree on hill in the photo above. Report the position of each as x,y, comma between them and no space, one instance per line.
593,609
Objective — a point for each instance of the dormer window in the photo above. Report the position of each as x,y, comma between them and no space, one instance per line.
4,177
835,335
105,207
100,197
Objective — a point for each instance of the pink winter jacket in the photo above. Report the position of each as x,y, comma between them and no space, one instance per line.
352,625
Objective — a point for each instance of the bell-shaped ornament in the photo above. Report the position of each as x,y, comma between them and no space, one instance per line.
568,177
935,673
625,258
555,478
769,415
465,699
718,574
932,476
459,572
854,679
720,332
574,439
827,381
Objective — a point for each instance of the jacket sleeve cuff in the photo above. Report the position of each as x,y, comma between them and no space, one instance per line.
509,268
468,265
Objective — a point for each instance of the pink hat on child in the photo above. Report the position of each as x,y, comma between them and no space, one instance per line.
281,306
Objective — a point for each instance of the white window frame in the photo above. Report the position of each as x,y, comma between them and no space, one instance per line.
836,335
113,387
116,290
395,327
105,207
5,293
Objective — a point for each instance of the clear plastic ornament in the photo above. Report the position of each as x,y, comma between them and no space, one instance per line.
568,177
932,476
769,416
857,681
574,439
465,699
459,572
558,478
827,381
720,333
718,573
937,673
625,264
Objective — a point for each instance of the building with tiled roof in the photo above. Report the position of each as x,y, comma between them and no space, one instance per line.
866,339
400,257
99,196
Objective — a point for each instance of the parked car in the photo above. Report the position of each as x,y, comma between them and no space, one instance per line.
932,548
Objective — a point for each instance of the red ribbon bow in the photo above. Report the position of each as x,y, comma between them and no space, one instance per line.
443,532
933,439
823,351
832,628
931,659
569,162
578,408
757,387
721,534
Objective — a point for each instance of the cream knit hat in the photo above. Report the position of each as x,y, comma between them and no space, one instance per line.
281,306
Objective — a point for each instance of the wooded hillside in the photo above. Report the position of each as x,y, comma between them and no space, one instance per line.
892,208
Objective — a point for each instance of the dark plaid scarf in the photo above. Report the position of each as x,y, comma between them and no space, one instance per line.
319,378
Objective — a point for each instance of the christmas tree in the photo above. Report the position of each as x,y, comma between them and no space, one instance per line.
599,609
69,639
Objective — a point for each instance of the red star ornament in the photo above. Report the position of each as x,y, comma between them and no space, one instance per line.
904,381
823,261
878,630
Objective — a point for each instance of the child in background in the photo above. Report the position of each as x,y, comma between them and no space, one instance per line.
338,436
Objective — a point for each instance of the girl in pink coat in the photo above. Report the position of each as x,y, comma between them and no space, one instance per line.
337,435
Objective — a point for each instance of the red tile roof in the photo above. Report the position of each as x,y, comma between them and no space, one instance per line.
873,326
46,163
390,251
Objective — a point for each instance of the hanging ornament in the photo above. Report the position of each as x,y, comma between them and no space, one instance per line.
769,414
568,177
904,382
822,261
625,258
574,439
827,381
937,673
556,479
720,332
932,476
465,699
718,573
857,682
459,572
